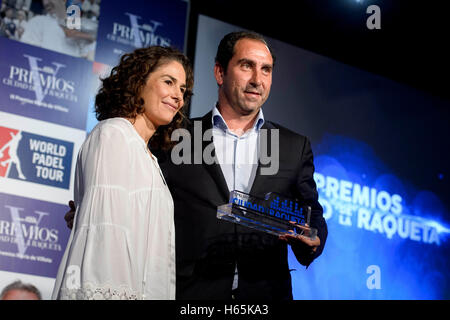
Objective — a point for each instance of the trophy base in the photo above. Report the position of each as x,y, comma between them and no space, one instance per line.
262,222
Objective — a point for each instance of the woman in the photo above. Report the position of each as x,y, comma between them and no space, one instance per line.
122,243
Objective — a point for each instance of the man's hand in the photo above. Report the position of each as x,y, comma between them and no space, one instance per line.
296,238
69,216
75,34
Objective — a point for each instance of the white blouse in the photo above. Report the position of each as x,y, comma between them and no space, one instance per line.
122,245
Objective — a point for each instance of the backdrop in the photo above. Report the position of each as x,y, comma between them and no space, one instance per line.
382,167
381,148
49,75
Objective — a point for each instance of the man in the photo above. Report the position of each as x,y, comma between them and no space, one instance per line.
20,291
7,25
21,23
217,259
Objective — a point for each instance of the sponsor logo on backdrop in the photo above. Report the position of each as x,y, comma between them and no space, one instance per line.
138,34
357,196
44,85
42,81
125,26
34,158
33,235
375,210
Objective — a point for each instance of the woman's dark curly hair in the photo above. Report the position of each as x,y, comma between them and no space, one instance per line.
120,93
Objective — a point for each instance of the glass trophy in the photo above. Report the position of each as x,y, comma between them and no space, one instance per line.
272,214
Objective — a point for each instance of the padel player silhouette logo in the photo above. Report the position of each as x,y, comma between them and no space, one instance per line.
13,159
33,158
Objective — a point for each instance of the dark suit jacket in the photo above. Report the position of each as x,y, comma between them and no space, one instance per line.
208,249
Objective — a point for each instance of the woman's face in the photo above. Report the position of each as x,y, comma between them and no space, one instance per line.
163,93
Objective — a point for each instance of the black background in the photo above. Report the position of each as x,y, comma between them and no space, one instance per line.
409,48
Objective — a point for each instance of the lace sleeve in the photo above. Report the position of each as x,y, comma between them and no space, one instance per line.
90,291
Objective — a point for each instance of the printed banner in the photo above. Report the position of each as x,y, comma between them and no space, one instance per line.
44,85
35,158
127,25
388,238
68,27
33,235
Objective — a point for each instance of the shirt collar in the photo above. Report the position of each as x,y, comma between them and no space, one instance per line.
219,122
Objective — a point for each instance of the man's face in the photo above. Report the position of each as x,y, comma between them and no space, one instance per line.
21,15
9,13
55,7
18,294
246,84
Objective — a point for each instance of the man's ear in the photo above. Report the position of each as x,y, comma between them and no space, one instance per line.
218,74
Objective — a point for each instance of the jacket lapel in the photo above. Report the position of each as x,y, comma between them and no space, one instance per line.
213,169
259,181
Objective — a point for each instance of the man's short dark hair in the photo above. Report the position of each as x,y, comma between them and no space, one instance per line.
19,285
225,51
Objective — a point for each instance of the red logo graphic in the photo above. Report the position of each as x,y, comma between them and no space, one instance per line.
7,143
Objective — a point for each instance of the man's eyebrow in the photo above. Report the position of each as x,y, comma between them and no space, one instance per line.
245,60
253,63
268,65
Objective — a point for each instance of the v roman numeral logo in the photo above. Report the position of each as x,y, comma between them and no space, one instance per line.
20,229
36,75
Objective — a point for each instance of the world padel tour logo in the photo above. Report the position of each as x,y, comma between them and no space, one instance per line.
33,158
44,85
